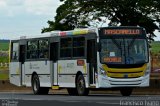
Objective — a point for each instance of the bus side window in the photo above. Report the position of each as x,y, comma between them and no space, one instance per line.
32,49
65,47
15,51
43,48
78,47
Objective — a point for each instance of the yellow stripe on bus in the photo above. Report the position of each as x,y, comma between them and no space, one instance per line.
123,70
77,32
59,68
122,75
84,68
55,87
17,71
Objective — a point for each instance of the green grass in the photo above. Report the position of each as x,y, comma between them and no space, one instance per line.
155,47
4,46
4,59
4,76
4,68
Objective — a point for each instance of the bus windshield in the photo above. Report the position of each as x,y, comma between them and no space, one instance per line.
124,51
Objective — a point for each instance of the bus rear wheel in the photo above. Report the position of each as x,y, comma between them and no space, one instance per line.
37,90
126,91
81,87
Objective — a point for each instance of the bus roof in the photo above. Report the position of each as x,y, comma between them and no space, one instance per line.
60,33
30,37
74,32
80,31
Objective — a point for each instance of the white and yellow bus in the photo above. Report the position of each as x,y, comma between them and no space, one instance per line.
82,59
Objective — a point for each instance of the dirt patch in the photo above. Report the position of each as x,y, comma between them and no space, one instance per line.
4,71
6,86
146,91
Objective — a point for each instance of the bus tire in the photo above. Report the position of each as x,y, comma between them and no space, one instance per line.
37,90
72,91
126,91
80,86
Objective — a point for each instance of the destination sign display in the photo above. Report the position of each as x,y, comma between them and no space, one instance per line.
112,59
122,32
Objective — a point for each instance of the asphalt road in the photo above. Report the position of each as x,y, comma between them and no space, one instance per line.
28,99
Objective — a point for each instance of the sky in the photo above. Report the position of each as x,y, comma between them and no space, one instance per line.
27,17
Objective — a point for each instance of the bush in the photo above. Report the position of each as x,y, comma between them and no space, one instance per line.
4,58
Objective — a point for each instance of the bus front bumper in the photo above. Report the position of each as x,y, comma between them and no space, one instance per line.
107,82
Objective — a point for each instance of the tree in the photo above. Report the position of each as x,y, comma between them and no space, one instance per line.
75,13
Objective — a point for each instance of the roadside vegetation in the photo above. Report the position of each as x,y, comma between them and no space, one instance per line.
155,55
4,59
155,47
4,76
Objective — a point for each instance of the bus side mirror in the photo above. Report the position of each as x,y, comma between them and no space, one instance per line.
99,47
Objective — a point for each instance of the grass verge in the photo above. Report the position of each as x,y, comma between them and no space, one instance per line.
4,76
4,68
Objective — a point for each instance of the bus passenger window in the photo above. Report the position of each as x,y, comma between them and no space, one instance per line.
43,48
32,49
15,51
65,47
78,47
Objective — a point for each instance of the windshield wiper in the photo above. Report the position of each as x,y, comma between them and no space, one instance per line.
116,43
132,42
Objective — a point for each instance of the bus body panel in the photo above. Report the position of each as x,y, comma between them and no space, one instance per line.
15,73
23,75
55,73
67,71
42,69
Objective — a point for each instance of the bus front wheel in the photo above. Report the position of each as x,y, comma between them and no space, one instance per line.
81,87
126,91
36,86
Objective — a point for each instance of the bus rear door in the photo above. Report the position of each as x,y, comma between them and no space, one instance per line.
54,57
22,60
17,63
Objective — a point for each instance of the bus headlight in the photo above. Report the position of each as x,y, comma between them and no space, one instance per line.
146,73
147,70
103,72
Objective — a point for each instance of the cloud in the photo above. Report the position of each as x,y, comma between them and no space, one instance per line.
41,7
2,3
34,7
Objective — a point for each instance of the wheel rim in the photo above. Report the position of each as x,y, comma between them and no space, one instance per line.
35,84
80,85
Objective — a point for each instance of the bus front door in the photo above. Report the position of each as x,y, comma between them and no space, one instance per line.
91,60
